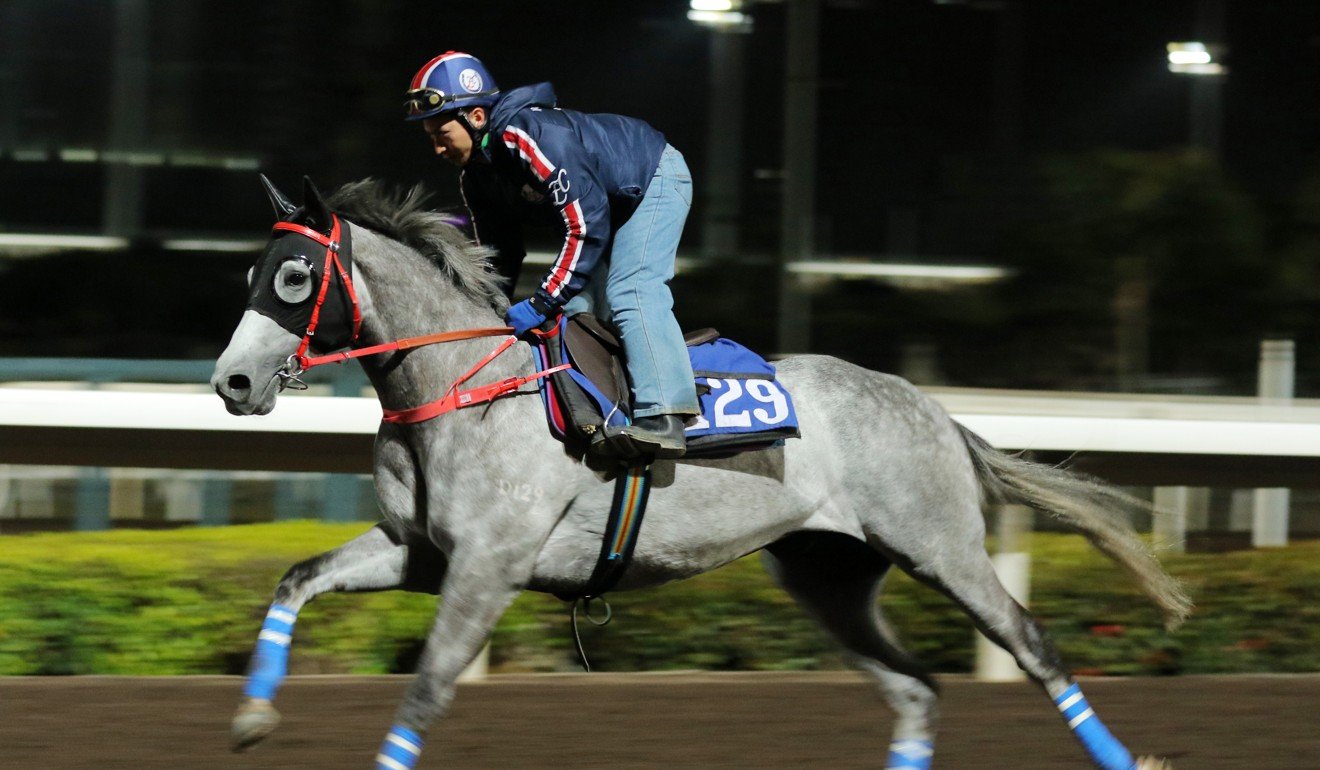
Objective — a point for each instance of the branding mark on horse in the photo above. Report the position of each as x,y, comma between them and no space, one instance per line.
525,492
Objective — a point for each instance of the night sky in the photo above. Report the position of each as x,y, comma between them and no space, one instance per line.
906,86
914,97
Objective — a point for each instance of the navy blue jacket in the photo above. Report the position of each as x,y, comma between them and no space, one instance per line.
585,173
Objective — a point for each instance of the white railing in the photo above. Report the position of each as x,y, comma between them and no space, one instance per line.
1152,441
100,427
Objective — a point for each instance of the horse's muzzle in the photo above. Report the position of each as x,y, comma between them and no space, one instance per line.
237,393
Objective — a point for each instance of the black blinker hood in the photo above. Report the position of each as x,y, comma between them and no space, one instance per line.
334,327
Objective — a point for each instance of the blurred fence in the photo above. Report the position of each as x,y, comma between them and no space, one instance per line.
89,452
103,493
46,498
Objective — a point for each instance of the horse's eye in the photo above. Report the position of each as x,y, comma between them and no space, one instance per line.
293,281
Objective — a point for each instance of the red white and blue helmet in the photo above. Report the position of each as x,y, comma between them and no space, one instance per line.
451,81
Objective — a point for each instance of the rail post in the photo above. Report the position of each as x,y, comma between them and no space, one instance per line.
1012,562
1275,378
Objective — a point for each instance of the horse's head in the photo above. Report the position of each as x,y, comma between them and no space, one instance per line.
300,298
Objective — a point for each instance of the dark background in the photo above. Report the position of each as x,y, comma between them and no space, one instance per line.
1072,168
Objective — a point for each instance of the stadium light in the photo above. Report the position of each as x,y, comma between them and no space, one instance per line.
917,276
185,159
721,15
41,244
240,246
1193,58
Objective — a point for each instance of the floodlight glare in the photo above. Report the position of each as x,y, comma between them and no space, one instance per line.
78,155
719,18
1189,57
711,5
1193,58
1212,68
1195,47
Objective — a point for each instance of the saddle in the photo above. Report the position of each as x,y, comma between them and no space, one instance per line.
744,407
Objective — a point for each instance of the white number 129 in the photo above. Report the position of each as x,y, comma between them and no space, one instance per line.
764,391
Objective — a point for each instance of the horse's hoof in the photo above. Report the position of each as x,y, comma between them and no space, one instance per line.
255,720
1153,763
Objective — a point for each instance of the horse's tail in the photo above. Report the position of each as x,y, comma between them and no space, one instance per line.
1088,505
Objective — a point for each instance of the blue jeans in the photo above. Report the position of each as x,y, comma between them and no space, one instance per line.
630,286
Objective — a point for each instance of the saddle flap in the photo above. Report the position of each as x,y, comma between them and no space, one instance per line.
597,354
597,328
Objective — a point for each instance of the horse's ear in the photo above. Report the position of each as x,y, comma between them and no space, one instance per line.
314,208
283,207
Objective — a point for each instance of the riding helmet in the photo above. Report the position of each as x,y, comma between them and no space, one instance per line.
451,81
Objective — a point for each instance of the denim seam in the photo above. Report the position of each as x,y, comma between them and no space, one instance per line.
637,299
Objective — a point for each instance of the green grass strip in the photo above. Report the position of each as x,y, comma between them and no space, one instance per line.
191,601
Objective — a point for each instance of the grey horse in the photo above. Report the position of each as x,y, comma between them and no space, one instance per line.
481,504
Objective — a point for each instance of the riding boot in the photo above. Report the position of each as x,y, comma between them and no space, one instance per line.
660,435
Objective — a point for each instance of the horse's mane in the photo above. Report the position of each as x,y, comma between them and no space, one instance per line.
400,214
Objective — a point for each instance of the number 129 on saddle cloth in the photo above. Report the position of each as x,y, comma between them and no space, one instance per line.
740,400
743,406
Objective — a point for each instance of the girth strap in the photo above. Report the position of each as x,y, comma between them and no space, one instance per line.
632,488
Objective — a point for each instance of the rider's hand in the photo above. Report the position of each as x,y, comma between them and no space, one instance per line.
523,317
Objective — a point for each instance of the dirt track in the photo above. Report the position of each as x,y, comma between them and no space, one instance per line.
686,720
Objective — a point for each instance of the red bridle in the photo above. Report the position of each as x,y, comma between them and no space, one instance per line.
332,265
299,362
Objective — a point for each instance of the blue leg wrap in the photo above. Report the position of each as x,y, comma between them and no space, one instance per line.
270,661
400,750
1104,748
909,755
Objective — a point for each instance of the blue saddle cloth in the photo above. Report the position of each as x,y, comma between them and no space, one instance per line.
743,406
741,401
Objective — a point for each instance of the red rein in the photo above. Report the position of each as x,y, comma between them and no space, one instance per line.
453,397
458,399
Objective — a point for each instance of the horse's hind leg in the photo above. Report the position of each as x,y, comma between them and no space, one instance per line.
376,560
836,579
967,576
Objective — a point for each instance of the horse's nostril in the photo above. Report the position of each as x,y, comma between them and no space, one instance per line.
239,382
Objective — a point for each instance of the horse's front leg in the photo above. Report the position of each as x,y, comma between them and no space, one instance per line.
377,560
477,590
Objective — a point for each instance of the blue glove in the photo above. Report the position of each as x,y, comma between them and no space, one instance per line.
523,317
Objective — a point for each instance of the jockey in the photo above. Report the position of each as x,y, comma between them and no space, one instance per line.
615,189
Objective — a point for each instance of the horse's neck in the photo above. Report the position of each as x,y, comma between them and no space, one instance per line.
404,295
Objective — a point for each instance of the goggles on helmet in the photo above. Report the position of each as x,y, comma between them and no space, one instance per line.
425,102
